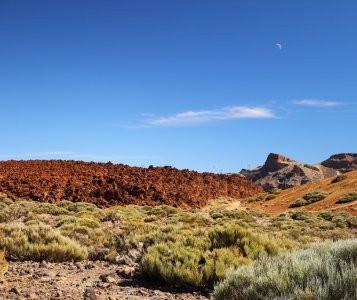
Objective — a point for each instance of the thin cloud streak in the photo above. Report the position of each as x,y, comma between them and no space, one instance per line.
316,103
206,116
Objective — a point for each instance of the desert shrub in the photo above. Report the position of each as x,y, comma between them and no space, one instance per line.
309,198
182,265
326,215
3,263
174,265
270,197
91,223
250,244
324,271
199,258
48,208
39,242
15,211
348,198
276,191
262,197
238,214
339,178
76,206
4,199
315,196
352,222
298,202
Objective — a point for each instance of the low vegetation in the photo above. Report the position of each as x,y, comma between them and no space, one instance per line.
348,198
309,198
263,196
339,178
39,242
3,264
178,247
323,271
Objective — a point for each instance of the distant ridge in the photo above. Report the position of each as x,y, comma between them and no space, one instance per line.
108,184
282,172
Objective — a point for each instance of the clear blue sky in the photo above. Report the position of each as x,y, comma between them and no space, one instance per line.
198,84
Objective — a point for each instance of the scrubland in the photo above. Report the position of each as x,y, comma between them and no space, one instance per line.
195,248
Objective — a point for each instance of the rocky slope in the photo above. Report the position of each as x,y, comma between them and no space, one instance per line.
282,172
344,162
80,281
334,190
106,184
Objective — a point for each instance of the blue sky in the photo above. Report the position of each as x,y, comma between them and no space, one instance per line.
199,84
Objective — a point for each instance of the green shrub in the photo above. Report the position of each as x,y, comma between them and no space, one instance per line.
39,242
324,271
4,199
79,221
315,196
339,178
249,243
298,202
3,264
77,206
48,208
264,196
348,198
270,197
177,264
309,198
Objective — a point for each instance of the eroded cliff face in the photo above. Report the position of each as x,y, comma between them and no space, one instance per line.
108,184
343,162
282,172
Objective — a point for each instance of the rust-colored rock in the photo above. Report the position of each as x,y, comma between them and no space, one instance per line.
108,184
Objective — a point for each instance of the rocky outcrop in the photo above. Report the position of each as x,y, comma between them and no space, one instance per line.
344,162
282,172
106,184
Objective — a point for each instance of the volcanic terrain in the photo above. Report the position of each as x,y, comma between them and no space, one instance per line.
106,184
282,172
282,202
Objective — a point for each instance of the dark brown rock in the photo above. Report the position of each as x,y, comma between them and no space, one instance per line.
344,162
282,172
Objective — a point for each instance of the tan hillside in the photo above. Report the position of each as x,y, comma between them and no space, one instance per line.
335,191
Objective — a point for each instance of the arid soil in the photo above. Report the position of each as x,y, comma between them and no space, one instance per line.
106,184
74,281
335,190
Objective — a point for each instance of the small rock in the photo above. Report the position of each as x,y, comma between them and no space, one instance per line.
127,272
15,291
43,264
89,294
109,278
124,260
89,265
79,266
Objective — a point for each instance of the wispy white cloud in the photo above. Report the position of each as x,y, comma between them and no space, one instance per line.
206,116
316,103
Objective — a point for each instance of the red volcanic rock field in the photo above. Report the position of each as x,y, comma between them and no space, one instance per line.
106,184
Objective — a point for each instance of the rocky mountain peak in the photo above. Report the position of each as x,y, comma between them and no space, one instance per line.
282,172
275,162
342,162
